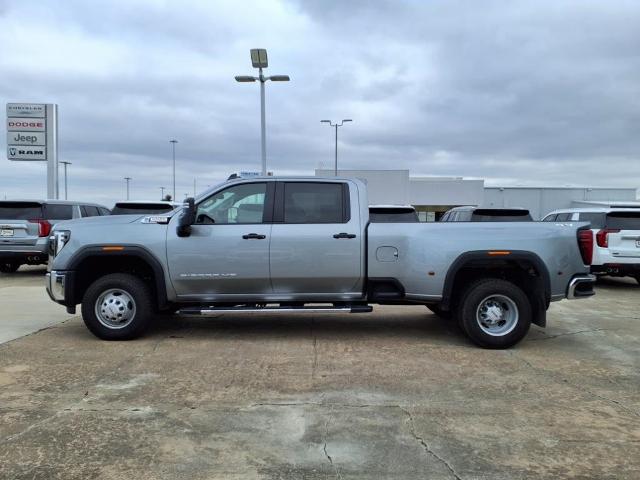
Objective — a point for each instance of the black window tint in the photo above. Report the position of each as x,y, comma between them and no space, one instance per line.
624,220
596,219
58,212
388,215
313,203
91,211
20,211
140,208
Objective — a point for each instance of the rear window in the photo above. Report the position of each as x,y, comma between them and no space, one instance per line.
493,215
58,212
596,219
140,208
393,215
20,210
624,220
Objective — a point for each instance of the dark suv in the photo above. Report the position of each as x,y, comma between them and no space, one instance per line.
25,226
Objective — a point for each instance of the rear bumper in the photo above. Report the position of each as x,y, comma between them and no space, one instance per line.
617,269
33,255
581,286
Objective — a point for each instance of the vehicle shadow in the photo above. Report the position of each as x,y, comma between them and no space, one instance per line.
424,326
617,282
26,271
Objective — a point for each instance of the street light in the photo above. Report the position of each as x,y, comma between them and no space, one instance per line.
127,179
65,177
259,60
173,145
336,125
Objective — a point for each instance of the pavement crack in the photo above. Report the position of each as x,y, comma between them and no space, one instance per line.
324,447
549,337
426,446
314,365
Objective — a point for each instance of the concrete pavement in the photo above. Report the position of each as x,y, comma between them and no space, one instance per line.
395,394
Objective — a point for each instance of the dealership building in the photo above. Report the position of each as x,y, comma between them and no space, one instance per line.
432,196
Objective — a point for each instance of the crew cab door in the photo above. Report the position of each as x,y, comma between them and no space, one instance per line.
316,240
227,253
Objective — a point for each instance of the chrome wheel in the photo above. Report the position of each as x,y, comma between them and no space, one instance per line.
497,315
115,308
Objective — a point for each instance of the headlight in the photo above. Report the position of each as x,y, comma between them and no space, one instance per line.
58,240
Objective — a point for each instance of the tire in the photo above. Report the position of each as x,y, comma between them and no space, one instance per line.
445,314
494,313
9,267
128,307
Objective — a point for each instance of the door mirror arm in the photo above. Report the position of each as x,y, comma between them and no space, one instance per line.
187,218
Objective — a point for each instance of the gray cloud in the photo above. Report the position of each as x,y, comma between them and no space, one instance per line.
514,92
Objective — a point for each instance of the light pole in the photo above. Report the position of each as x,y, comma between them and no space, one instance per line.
65,177
161,193
127,179
259,61
173,145
336,125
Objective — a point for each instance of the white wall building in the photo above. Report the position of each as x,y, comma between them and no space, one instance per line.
432,196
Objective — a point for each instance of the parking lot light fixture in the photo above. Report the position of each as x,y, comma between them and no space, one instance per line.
173,146
259,60
336,125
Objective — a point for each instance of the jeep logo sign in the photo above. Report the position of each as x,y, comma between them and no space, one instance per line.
28,127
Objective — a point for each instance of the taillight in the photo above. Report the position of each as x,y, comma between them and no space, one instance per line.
602,237
585,242
44,227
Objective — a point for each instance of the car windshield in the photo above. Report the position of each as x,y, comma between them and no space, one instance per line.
140,208
498,215
20,210
393,215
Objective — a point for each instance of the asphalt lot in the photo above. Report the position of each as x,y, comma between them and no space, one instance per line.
394,394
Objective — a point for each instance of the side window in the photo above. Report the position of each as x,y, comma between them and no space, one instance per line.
104,211
563,217
445,217
311,202
550,218
238,204
89,211
465,216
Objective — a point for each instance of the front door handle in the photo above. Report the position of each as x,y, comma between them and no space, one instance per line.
344,235
253,236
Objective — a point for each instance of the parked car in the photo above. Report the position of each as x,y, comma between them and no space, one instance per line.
290,244
25,226
143,207
393,214
476,214
617,238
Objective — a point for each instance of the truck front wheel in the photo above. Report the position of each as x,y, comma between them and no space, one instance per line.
118,306
494,313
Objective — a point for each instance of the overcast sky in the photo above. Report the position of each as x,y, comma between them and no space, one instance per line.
516,92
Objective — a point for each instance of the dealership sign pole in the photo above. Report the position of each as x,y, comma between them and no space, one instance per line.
32,135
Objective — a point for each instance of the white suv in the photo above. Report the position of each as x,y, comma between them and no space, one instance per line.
616,250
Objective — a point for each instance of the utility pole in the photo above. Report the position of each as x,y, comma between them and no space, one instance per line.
127,179
65,177
336,125
173,145
259,61
161,193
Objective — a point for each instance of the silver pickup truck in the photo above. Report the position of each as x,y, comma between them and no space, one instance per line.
306,244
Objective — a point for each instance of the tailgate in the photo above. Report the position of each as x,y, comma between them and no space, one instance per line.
624,234
15,225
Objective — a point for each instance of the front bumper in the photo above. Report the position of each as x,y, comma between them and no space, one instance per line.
56,282
581,286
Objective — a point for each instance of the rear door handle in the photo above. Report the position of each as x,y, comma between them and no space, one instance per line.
253,236
344,235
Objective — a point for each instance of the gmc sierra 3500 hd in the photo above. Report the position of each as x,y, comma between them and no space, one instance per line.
306,244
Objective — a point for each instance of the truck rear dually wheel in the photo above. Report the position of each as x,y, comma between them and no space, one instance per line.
118,306
494,313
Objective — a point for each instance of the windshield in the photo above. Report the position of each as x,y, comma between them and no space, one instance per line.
20,210
500,215
388,215
140,208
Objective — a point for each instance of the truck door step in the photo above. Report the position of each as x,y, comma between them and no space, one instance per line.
206,311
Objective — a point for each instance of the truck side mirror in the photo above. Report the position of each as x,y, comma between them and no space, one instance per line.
187,218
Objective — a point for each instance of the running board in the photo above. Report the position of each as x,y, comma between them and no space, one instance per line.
199,311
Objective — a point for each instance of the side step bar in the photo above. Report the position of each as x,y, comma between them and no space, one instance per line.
206,311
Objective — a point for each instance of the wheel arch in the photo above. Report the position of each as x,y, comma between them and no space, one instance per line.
524,268
92,262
